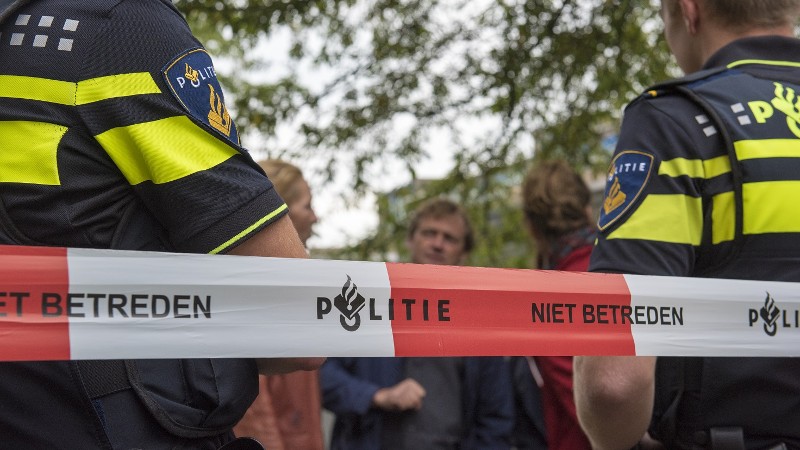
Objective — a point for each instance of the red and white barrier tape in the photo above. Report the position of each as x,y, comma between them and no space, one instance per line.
59,304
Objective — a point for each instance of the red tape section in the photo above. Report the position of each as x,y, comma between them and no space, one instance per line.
446,311
33,278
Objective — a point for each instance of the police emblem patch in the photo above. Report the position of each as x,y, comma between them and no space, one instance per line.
627,177
193,81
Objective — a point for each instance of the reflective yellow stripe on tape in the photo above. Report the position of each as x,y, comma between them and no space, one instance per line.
248,230
29,152
163,150
81,93
767,148
771,207
670,218
695,168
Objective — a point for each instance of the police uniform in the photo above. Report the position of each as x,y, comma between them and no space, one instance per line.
115,134
704,183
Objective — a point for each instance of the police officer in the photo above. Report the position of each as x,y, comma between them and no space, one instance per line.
704,183
115,134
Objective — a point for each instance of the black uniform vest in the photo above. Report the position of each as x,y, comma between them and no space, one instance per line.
700,400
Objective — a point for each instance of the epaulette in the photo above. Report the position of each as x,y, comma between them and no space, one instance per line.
665,86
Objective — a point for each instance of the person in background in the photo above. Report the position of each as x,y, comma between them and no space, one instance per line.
422,403
558,215
286,414
703,184
293,187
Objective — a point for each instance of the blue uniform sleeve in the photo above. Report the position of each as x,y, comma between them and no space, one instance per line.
652,215
160,115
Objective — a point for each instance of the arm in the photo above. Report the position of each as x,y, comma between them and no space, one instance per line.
278,240
614,398
184,177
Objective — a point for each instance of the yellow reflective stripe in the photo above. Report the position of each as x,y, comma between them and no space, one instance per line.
81,93
767,148
163,150
41,89
29,152
723,220
771,207
763,62
673,218
248,230
114,86
695,168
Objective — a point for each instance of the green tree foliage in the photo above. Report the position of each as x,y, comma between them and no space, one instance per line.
496,81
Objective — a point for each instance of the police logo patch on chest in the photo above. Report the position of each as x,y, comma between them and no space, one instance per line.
193,81
627,176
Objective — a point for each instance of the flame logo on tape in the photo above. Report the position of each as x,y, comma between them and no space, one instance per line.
769,312
349,303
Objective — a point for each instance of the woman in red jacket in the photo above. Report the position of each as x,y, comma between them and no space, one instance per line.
558,213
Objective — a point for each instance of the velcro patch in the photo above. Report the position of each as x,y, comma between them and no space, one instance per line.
627,176
193,81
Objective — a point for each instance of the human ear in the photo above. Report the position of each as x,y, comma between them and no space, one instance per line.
690,11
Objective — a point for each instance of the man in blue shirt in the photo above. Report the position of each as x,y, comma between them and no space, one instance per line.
430,403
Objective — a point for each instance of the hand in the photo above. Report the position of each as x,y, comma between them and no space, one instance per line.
403,396
276,366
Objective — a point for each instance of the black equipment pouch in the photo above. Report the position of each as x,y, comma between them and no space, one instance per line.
727,438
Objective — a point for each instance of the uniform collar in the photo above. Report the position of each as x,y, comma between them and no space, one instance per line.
771,48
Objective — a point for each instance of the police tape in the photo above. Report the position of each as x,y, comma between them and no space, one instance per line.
62,304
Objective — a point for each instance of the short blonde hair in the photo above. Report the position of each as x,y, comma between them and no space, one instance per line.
284,176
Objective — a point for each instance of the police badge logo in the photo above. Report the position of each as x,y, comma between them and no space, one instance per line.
193,81
627,176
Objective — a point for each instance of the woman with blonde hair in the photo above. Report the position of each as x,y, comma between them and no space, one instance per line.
290,184
286,413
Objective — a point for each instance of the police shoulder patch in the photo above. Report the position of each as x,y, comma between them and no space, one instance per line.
193,81
627,176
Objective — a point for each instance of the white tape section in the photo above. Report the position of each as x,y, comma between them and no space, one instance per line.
714,317
209,306
58,304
